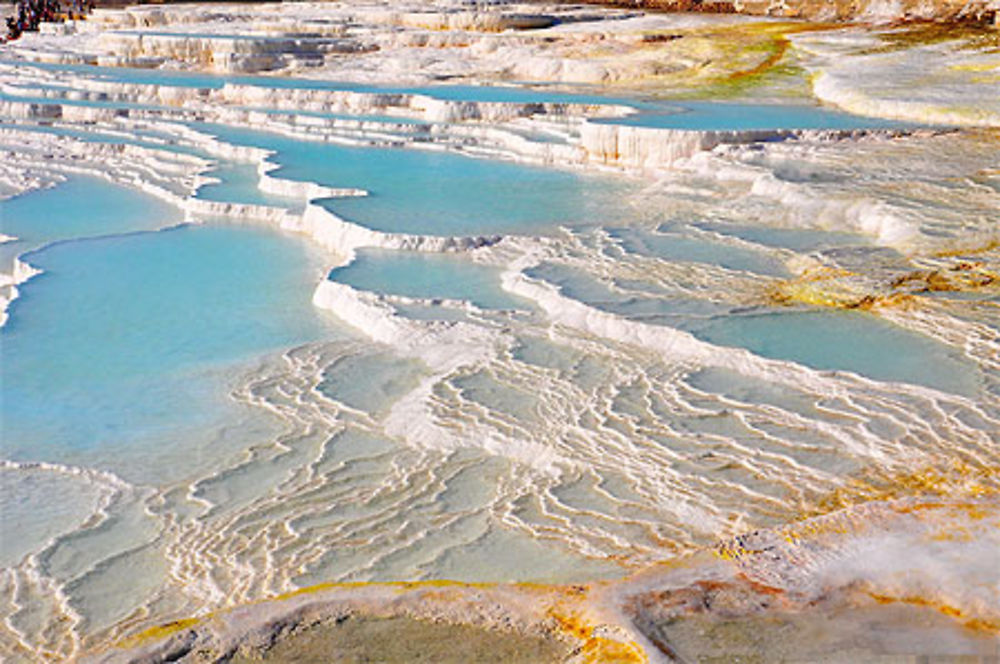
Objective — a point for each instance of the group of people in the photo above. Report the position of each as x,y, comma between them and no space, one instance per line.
30,13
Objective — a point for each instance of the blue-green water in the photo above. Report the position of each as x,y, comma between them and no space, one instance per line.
848,340
140,313
722,116
796,239
238,184
270,446
102,135
435,193
699,115
85,103
427,276
834,340
111,346
672,244
509,94
83,206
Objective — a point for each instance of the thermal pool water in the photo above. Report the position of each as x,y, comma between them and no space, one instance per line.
482,334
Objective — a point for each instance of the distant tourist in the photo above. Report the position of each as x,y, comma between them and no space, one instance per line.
31,13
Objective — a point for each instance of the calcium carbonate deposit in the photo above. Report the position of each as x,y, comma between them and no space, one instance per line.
642,337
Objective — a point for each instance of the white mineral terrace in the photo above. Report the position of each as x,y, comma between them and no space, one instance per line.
596,433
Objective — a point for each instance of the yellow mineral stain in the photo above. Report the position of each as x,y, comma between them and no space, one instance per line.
834,288
975,66
704,60
732,552
775,49
596,648
955,480
976,249
599,649
968,36
990,625
964,276
767,42
839,289
401,586
158,632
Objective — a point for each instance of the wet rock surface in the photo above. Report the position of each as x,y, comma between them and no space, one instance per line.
363,639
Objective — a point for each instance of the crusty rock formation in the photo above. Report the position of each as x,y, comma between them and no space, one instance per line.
985,11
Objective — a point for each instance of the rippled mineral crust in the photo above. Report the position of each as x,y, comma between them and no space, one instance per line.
814,591
827,10
686,491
